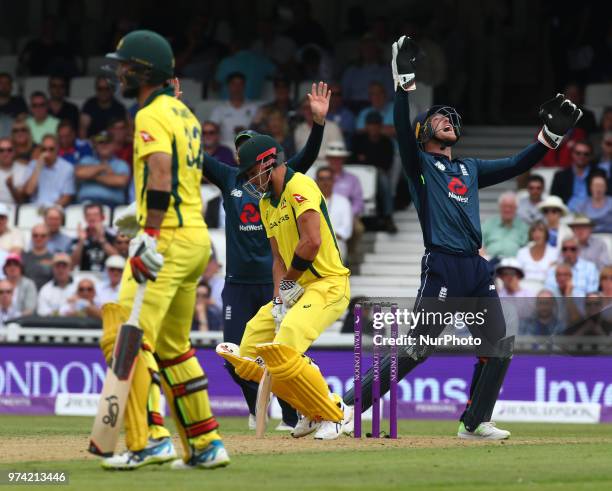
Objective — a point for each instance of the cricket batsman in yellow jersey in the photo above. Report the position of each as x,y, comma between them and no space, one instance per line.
311,288
169,253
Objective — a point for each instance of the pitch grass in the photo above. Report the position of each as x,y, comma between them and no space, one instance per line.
573,457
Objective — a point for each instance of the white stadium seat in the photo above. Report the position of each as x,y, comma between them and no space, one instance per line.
598,95
28,216
12,214
82,87
204,109
33,84
192,91
547,173
367,177
75,215
95,63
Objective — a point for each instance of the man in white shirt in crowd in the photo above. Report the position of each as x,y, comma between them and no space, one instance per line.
13,175
109,290
84,302
509,271
339,209
54,294
301,133
590,248
235,114
7,309
585,278
11,239
528,210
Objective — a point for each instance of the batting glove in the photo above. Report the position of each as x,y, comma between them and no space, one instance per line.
278,312
127,221
559,115
145,261
290,292
405,54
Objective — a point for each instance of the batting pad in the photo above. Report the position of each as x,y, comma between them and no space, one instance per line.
113,316
299,382
136,415
245,368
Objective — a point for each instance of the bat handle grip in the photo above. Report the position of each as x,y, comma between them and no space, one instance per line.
135,314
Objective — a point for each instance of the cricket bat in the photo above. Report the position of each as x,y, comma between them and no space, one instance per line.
113,399
261,408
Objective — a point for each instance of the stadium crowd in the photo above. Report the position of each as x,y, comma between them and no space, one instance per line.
54,153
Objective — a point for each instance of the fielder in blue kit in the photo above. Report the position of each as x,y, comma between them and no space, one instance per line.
445,195
248,280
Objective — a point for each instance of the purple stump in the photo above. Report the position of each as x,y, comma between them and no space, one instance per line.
393,383
376,382
357,372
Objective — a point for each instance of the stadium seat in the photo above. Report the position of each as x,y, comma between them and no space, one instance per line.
75,215
367,177
82,87
8,64
547,173
33,84
94,64
12,215
28,215
597,97
607,238
203,109
192,91
217,237
267,91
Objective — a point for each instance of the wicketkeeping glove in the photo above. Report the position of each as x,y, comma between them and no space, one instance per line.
127,221
278,312
145,261
290,292
403,63
559,115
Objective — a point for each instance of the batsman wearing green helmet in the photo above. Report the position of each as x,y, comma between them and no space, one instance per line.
169,253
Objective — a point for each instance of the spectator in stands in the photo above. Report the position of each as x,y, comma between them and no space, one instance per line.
51,178
109,290
25,149
605,282
537,257
56,292
254,68
509,271
120,133
314,63
83,303
605,160
592,322
528,206
585,277
71,148
282,102
122,244
305,29
339,208
590,247
102,177
553,210
571,184
7,306
277,126
546,321
273,45
214,279
599,206
95,242
339,113
13,174
504,235
100,110
38,260
575,93
561,281
59,107
332,132
41,123
375,148
207,315
10,105
358,77
57,240
213,146
235,114
11,239
379,104
24,289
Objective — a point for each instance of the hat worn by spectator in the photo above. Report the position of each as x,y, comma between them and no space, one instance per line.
115,262
510,263
102,137
581,220
553,202
336,149
373,117
61,258
5,211
13,258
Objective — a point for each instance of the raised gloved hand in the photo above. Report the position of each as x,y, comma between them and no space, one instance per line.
278,312
290,292
559,115
405,53
127,221
145,261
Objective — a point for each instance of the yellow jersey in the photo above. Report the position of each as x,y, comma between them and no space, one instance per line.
279,216
165,124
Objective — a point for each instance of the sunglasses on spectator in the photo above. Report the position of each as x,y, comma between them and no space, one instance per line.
569,249
606,277
86,288
48,149
57,85
210,132
39,104
5,292
551,210
20,129
38,236
6,149
534,188
582,154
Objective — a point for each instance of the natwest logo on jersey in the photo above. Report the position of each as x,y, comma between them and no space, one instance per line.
457,190
250,218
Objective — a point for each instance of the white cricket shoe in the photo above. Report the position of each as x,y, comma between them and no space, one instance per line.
156,452
212,457
485,431
252,422
282,426
305,426
330,430
348,425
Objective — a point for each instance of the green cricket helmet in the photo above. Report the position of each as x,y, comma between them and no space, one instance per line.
259,149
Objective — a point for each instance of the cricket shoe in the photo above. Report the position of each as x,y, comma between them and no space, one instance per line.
330,430
348,425
156,452
485,431
305,426
282,426
211,457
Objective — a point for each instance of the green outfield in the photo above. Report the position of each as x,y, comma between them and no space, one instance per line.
538,457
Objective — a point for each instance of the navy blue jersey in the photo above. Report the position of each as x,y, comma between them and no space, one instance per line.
445,192
249,258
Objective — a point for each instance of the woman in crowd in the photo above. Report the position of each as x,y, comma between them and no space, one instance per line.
537,256
553,209
278,128
599,206
25,149
24,289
